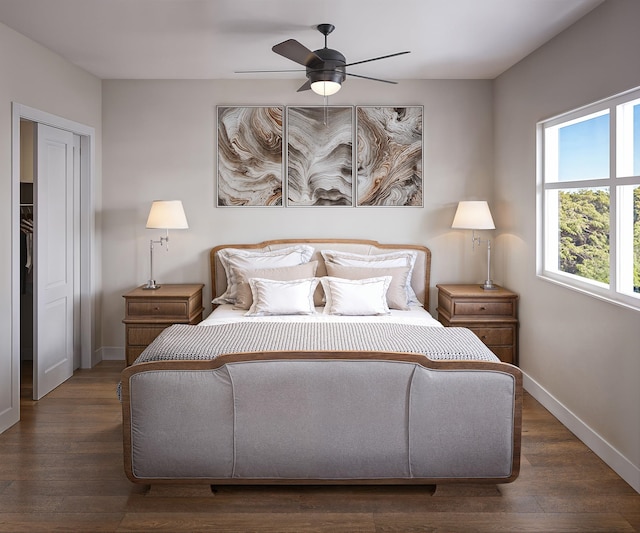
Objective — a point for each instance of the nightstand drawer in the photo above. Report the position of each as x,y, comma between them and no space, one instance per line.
133,352
142,336
506,354
483,308
156,309
495,335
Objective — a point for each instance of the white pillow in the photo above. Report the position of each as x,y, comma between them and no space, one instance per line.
356,297
290,273
235,258
396,293
273,297
396,258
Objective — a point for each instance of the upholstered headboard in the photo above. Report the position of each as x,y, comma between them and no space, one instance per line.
420,280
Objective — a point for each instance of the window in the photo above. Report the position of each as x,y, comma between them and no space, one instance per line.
589,199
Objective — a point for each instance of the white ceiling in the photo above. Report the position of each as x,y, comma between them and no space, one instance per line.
211,39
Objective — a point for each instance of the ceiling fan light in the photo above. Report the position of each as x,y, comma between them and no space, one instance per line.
325,88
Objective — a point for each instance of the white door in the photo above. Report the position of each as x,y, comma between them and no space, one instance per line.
53,260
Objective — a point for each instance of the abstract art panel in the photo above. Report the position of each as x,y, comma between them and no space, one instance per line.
250,156
389,156
319,156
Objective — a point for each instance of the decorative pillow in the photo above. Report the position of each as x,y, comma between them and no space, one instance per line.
396,293
356,297
392,259
271,297
245,259
244,299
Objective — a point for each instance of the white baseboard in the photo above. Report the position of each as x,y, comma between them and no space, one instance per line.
618,462
111,353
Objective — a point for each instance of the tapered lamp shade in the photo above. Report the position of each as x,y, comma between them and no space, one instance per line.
167,214
473,215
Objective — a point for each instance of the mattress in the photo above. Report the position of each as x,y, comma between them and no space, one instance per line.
415,315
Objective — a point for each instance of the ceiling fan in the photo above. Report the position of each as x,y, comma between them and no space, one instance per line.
325,68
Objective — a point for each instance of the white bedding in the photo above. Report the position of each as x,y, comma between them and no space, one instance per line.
415,315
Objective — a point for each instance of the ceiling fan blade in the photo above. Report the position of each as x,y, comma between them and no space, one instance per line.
305,87
293,50
254,71
369,78
377,58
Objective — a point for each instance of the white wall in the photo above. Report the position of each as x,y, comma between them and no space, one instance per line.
33,76
159,143
581,355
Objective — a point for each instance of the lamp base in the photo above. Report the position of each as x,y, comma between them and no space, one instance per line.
151,285
489,285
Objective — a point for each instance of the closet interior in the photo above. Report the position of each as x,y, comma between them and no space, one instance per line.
27,210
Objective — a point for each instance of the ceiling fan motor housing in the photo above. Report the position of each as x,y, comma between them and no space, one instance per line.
330,68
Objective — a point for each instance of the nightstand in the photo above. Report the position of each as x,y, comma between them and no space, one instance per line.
491,314
148,312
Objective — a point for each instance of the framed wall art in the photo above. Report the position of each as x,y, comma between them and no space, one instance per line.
250,162
320,156
389,156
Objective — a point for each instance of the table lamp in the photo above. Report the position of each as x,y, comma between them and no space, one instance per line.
166,215
475,215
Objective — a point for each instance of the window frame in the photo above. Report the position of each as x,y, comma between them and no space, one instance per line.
547,250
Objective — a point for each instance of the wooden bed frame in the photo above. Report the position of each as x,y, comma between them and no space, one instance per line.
174,416
421,277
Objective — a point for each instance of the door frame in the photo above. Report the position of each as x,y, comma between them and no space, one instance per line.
88,357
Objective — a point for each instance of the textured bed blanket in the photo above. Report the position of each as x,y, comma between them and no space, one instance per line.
207,342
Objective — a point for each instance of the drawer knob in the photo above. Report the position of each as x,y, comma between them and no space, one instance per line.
483,337
483,308
156,308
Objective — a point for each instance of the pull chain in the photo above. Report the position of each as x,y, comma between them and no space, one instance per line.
326,110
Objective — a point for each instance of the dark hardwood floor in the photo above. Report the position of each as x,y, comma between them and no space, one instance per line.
61,470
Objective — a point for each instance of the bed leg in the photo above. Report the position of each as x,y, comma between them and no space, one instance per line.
466,489
180,490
